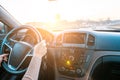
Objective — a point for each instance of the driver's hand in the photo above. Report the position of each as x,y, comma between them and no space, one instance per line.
3,57
40,49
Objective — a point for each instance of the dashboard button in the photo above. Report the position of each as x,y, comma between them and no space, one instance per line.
78,71
71,58
72,71
62,69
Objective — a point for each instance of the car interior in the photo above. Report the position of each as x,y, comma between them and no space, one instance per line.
72,54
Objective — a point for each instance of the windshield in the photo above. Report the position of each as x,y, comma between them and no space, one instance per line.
65,14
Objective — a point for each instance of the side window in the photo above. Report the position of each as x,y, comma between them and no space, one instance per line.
2,28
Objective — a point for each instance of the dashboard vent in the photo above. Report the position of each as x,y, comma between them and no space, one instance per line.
1,42
91,40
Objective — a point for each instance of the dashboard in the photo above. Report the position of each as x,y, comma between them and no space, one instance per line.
76,51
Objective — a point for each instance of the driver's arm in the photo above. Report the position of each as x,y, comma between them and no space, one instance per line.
34,66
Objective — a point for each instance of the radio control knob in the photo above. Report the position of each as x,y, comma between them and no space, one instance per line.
71,58
78,71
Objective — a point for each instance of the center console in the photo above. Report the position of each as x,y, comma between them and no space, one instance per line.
71,62
71,54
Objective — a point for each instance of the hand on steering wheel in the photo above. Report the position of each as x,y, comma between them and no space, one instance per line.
40,49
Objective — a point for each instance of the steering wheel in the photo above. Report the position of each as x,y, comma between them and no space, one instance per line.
19,51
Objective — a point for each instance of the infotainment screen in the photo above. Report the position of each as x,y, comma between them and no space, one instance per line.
75,38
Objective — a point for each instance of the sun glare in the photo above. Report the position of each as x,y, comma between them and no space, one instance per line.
47,10
89,9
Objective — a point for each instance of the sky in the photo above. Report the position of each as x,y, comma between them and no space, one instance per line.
45,11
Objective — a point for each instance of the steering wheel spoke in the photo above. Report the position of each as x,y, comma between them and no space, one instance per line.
10,48
13,40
